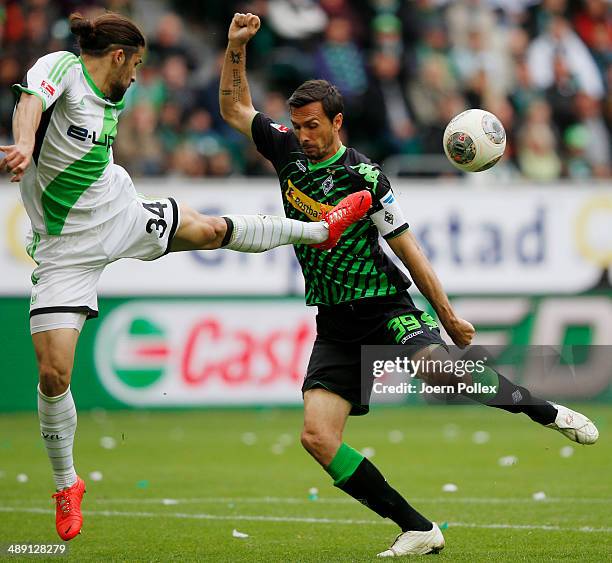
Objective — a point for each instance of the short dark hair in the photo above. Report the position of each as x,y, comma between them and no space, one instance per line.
105,33
318,91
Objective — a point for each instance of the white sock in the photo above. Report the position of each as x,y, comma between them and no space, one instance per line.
257,233
58,422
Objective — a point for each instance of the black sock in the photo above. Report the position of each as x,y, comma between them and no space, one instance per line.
508,396
514,398
370,488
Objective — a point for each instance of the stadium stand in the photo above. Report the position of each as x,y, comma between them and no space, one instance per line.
405,68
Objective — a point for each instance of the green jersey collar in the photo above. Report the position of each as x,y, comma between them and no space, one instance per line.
97,91
316,165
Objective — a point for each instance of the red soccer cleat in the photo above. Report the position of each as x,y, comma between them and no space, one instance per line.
350,210
68,517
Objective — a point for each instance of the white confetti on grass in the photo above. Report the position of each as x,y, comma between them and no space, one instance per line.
22,478
277,449
540,495
396,436
169,501
566,451
96,476
450,488
249,438
240,535
507,460
481,437
108,442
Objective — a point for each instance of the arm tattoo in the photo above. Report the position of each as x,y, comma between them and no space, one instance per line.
236,57
236,85
226,92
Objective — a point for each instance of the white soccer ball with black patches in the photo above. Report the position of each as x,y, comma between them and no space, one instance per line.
474,140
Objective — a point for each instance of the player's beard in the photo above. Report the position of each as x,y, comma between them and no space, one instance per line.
117,91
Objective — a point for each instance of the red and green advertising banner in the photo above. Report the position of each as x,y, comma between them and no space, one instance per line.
194,352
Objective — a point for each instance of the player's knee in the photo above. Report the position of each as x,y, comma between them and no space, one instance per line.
212,230
310,439
54,378
317,442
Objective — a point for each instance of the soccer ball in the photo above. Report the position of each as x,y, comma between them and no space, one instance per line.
474,140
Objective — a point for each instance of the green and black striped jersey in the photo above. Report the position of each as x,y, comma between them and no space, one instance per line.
357,268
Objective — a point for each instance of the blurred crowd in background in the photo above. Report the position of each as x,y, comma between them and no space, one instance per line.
404,67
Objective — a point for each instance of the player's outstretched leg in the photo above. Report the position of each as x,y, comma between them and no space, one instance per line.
58,418
258,233
325,415
517,399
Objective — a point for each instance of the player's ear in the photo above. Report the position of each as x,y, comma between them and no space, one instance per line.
119,57
337,122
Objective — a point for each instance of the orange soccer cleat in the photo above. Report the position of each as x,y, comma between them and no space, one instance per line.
68,517
350,210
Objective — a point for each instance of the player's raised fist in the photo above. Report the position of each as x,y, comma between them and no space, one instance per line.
461,332
243,28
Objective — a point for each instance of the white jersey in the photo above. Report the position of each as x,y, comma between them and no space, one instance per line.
71,184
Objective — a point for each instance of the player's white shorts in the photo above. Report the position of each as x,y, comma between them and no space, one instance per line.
69,266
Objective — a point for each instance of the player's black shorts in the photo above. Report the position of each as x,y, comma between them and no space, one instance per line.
335,362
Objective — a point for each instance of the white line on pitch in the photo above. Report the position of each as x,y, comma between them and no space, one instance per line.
289,500
303,520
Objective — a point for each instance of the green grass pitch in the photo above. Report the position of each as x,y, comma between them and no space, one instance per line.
177,484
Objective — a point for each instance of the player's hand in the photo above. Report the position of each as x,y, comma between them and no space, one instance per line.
460,331
16,160
243,28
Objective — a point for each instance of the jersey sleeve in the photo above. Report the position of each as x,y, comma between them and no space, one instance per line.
273,140
386,212
48,78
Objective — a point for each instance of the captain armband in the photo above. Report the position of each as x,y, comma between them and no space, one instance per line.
389,219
